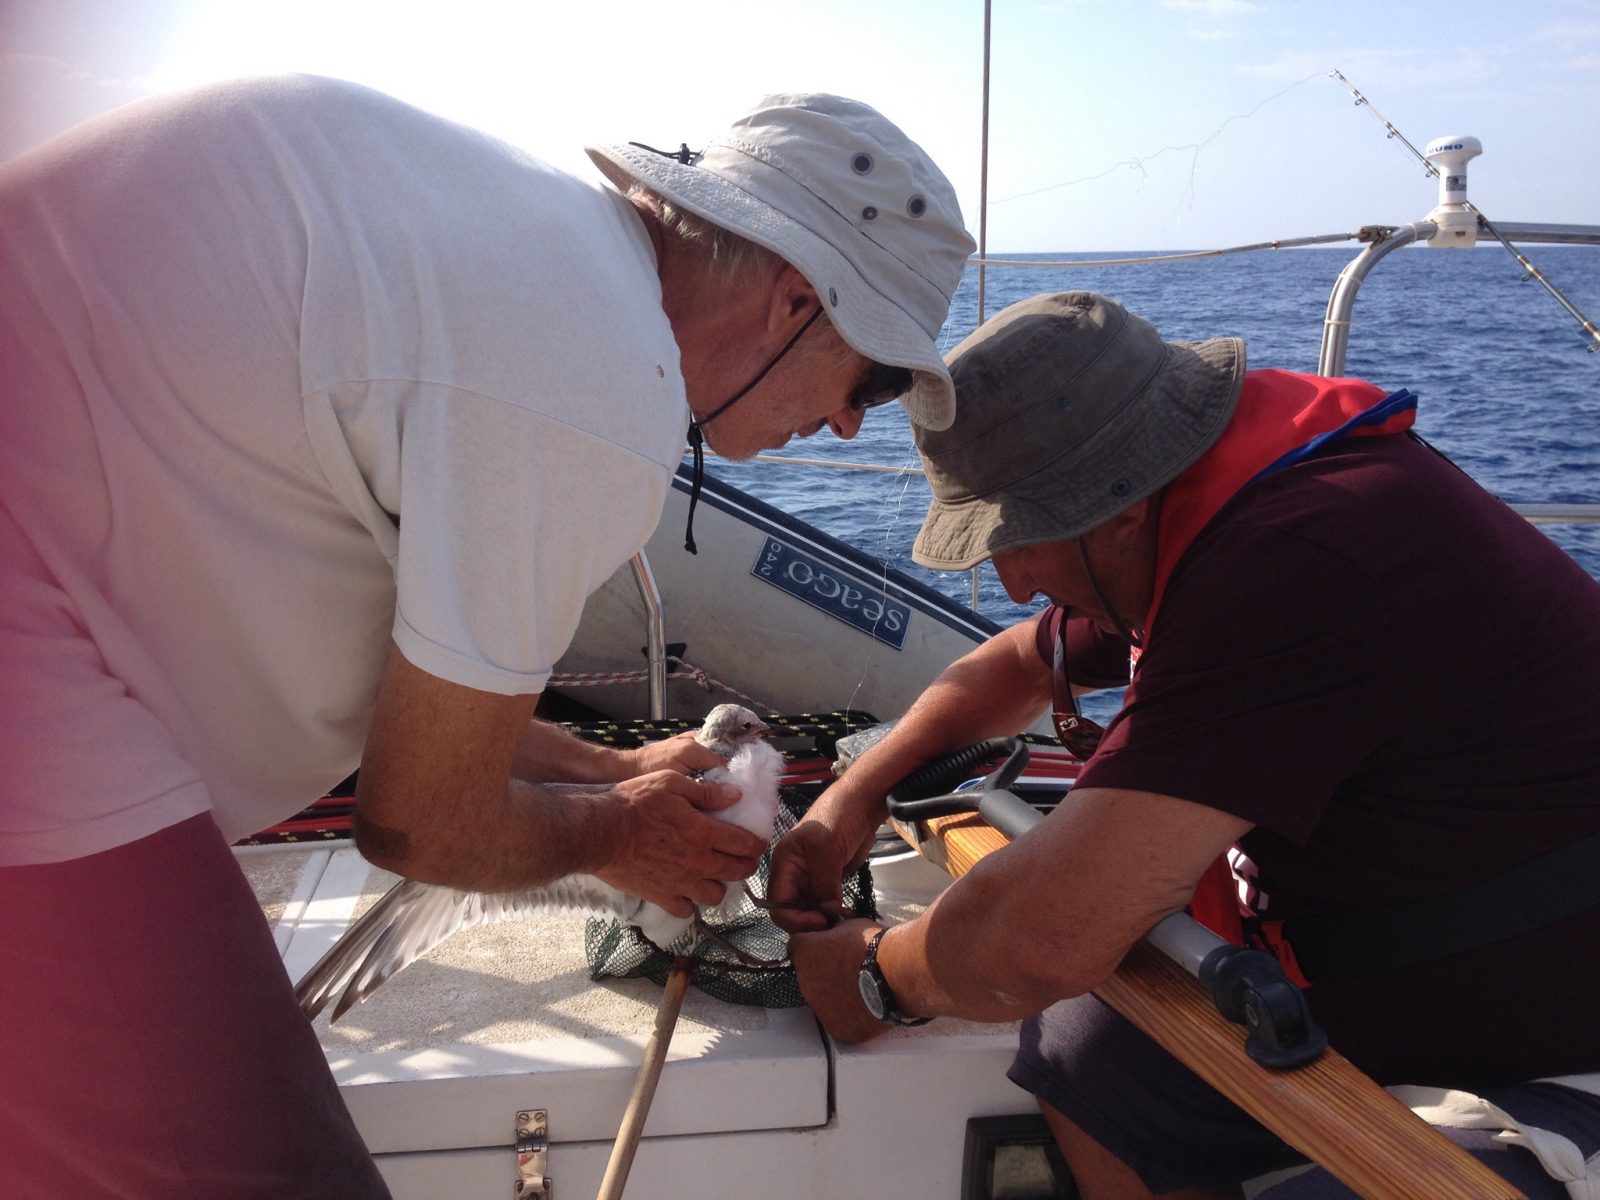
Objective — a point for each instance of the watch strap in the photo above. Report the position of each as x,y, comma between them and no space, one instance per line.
891,1010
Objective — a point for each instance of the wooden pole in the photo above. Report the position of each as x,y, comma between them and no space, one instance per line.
644,1083
1328,1110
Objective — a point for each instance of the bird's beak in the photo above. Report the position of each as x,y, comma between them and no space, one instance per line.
761,729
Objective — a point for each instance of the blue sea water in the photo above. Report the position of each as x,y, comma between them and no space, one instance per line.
1506,386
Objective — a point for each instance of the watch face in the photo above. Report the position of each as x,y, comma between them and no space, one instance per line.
870,995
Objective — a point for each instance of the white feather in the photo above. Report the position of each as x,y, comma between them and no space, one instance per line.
755,769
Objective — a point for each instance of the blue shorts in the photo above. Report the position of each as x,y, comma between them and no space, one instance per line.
1176,1131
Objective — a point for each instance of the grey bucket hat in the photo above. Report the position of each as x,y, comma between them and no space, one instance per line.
1070,411
839,193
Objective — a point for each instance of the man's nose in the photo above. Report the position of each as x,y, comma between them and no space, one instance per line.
846,423
1015,582
1019,592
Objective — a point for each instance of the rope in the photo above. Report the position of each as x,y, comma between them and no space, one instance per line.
687,672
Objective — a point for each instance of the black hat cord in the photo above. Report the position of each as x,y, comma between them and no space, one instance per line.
697,439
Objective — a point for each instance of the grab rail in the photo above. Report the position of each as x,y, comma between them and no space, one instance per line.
655,628
1535,514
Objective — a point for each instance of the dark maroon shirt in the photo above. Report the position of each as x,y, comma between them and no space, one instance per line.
1397,679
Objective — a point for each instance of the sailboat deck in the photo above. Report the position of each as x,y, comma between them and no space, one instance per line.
435,1064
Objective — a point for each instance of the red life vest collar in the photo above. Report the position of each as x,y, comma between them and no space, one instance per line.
1282,418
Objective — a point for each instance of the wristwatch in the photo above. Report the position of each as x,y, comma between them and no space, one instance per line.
875,993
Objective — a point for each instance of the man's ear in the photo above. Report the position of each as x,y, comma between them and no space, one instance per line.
1138,522
793,300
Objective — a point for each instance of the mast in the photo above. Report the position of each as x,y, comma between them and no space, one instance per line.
983,167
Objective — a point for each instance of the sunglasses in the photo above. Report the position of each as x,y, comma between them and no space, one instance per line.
881,385
1077,733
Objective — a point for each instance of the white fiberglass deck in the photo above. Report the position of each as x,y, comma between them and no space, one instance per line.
437,1063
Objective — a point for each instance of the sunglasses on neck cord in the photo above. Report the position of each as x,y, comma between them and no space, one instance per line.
1078,733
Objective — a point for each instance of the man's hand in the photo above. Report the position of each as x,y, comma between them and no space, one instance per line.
827,966
679,753
671,853
808,869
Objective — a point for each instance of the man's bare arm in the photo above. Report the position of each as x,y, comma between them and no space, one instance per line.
436,801
547,753
1052,915
1041,920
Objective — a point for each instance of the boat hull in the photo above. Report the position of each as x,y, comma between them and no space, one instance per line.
770,610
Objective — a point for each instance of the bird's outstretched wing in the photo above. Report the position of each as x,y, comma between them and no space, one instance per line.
412,918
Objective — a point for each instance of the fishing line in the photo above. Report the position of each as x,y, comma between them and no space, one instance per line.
892,505
890,508
1137,162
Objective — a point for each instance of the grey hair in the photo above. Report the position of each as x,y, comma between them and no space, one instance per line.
729,256
729,253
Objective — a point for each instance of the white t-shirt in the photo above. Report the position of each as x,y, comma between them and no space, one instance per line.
288,368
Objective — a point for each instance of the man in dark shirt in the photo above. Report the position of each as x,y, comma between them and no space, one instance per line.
1322,612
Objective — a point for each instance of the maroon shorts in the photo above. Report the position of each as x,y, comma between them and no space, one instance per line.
150,1044
1176,1131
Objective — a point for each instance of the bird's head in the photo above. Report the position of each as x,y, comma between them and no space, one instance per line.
731,725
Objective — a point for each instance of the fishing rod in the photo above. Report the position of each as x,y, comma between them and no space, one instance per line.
1455,158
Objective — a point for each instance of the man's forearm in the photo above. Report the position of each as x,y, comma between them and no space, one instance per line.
974,955
543,833
547,753
1052,914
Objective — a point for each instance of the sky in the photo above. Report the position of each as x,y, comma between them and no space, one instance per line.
1114,124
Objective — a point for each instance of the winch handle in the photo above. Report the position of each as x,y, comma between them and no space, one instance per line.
1247,986
925,793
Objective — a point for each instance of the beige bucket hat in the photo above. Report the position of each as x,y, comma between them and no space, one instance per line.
838,192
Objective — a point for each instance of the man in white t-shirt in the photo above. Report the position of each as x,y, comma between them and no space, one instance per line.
320,417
